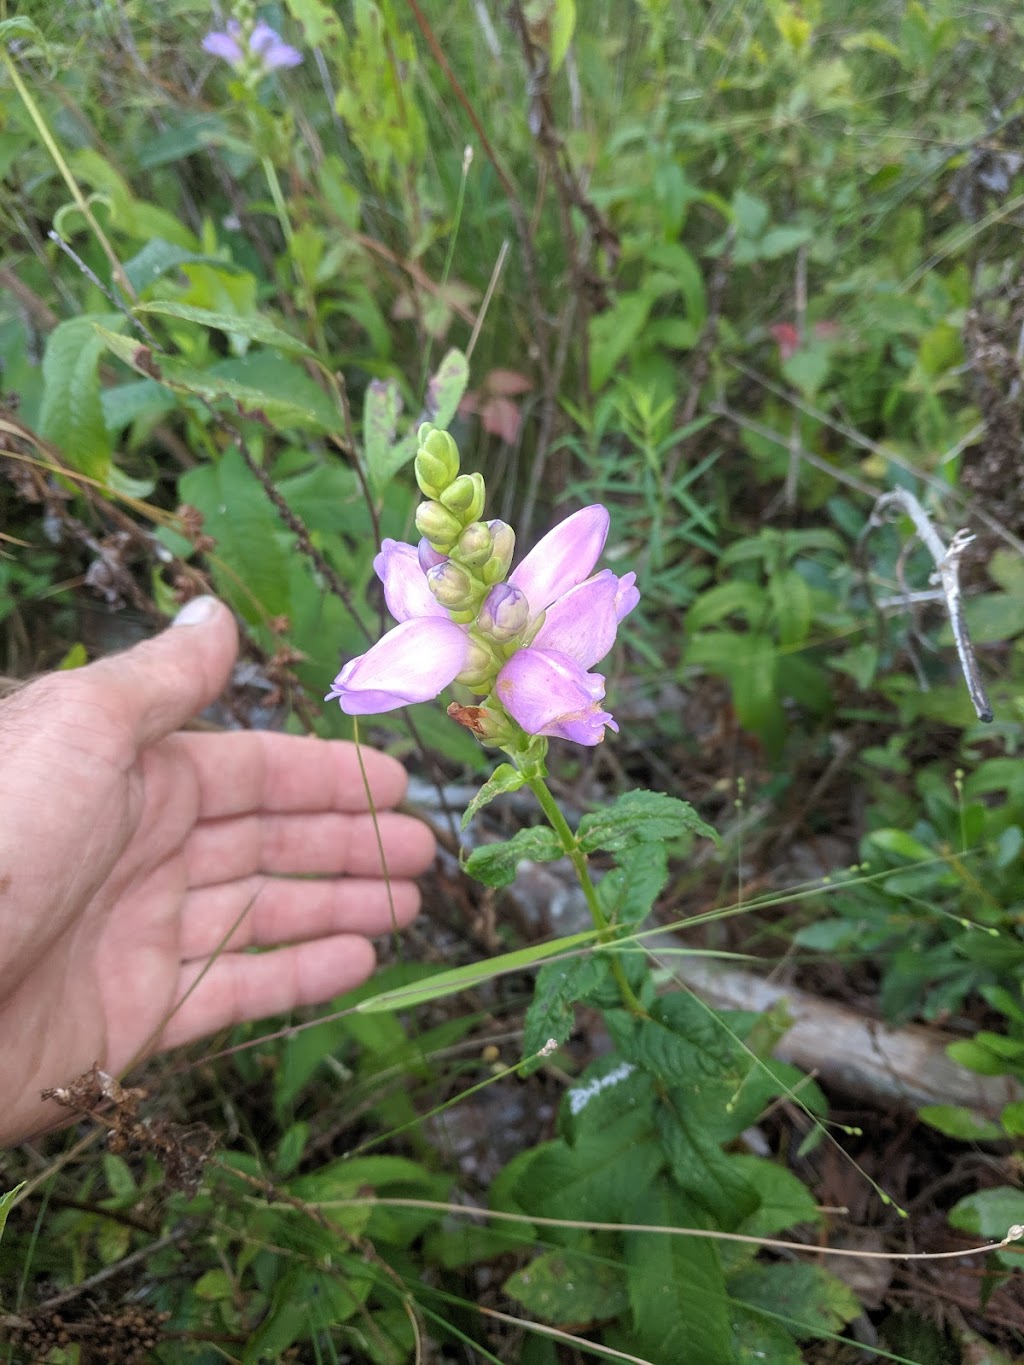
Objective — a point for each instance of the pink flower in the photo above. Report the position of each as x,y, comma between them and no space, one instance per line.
569,614
546,687
415,661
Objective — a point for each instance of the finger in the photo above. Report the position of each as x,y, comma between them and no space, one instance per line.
158,685
257,770
242,986
272,910
318,843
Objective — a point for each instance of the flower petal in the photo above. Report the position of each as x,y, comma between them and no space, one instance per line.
584,621
224,45
270,47
405,584
563,558
548,693
413,662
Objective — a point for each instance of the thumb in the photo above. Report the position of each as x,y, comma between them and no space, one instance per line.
160,684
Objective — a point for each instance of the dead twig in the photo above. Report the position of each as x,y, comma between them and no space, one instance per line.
947,576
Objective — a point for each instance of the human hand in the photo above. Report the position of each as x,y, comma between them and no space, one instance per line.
128,849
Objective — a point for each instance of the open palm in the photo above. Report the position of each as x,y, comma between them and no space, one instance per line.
138,864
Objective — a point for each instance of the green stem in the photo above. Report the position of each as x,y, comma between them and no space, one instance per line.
281,209
578,858
50,143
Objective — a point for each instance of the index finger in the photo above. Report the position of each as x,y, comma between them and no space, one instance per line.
261,770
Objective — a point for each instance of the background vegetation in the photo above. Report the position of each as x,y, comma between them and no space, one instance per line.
734,270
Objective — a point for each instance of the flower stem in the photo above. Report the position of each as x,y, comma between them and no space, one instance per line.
305,293
578,858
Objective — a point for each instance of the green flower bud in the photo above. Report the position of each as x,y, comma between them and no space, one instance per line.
481,667
437,460
465,497
475,545
437,525
504,542
453,586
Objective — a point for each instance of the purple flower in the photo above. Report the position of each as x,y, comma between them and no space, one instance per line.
415,661
267,48
546,687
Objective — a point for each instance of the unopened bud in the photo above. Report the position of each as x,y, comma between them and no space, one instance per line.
503,539
481,666
440,527
428,557
465,497
437,460
504,613
452,586
475,545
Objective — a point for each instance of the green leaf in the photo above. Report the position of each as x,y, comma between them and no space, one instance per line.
613,333
158,257
287,398
749,214
6,1204
127,403
214,1285
446,387
957,1122
676,1286
627,893
989,1215
384,456
794,611
563,24
503,780
782,240
567,1286
495,864
810,1301
640,817
250,558
807,369
319,22
462,978
71,414
551,1014
726,599
254,327
1012,1118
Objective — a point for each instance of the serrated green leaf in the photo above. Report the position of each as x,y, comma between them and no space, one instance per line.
567,1286
640,817
810,1301
676,1286
503,780
551,1015
495,864
253,327
6,1204
627,893
462,978
71,413
446,388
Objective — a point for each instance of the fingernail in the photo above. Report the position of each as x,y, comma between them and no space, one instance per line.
196,612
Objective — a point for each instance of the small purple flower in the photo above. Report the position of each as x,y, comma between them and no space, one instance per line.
266,48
